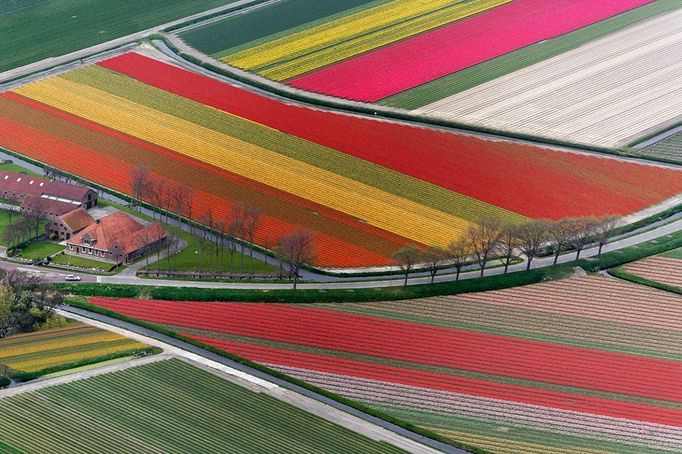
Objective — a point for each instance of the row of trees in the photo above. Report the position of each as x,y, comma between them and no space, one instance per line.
223,235
493,238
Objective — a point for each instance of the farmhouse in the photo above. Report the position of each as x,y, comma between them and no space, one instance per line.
116,238
18,187
66,225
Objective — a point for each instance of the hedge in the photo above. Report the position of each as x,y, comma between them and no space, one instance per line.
622,274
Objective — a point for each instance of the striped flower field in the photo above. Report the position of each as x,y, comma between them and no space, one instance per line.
587,364
665,268
364,193
56,349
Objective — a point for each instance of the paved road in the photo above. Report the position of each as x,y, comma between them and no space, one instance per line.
258,381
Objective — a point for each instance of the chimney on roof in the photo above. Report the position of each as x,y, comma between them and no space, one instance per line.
97,222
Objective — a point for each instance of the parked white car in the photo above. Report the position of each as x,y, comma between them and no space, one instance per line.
72,277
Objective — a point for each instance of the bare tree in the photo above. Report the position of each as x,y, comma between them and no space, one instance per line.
435,258
183,205
139,182
296,249
581,230
507,244
406,258
531,236
156,194
36,214
251,223
484,238
205,236
559,235
458,255
238,226
604,229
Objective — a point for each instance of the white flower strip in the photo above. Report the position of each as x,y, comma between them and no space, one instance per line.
494,410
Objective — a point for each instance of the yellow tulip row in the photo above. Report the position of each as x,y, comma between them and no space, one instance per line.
376,207
305,51
39,345
36,364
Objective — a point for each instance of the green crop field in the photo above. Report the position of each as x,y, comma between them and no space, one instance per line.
33,30
526,56
41,352
669,148
167,406
284,16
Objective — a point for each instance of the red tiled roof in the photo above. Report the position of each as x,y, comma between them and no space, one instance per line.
147,235
66,190
119,229
44,205
77,219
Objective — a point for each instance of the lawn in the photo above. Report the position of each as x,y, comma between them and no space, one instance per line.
83,262
11,167
674,254
189,259
41,352
167,406
4,222
40,250
33,30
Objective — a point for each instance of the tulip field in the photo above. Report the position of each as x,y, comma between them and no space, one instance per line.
665,268
586,364
608,93
57,348
165,406
364,194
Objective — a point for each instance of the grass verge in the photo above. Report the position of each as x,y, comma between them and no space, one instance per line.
622,274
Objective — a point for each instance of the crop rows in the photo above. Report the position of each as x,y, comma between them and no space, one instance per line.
52,348
615,408
543,179
287,145
377,208
516,414
444,347
668,148
93,414
423,58
666,270
605,93
332,41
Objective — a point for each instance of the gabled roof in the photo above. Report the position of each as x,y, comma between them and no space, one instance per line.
66,190
36,186
77,219
43,205
147,235
121,230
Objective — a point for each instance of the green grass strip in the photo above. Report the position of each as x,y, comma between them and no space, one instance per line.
621,273
513,61
524,434
291,146
674,254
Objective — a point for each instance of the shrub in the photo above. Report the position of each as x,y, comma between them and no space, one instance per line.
10,252
54,321
53,236
4,381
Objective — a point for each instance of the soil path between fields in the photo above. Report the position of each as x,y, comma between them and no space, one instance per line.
252,379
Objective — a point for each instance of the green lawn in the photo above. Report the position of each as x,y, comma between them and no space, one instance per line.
167,406
189,259
513,61
4,222
40,250
11,167
674,254
33,30
66,259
